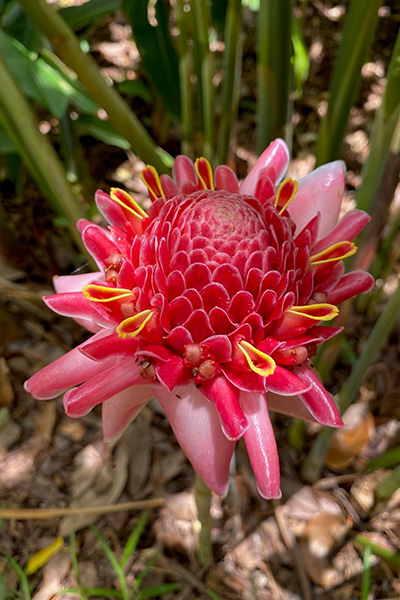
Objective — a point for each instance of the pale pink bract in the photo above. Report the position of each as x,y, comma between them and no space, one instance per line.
213,301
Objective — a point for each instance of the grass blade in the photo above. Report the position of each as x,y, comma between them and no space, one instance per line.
114,563
366,576
133,539
21,575
388,556
156,591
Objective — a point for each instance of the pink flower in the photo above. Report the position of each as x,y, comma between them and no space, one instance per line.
213,301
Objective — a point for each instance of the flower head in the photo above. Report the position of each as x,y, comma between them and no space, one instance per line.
214,301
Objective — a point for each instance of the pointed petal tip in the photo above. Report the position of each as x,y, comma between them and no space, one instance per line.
274,494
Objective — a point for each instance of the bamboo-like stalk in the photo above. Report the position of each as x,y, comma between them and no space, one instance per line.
37,153
273,71
385,134
231,72
313,463
66,45
185,71
201,20
356,42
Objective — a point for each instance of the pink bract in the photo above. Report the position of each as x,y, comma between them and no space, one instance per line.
214,301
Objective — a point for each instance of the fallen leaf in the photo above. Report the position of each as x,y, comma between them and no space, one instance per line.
348,442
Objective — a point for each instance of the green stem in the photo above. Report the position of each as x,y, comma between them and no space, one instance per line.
203,503
313,463
273,70
37,153
201,19
66,45
358,35
185,71
231,73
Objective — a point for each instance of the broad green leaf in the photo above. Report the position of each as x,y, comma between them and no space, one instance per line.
101,130
157,52
135,88
6,144
15,22
36,79
88,13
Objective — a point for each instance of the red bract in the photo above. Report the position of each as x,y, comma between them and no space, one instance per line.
213,301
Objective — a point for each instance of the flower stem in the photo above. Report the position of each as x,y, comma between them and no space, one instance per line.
312,465
67,47
203,502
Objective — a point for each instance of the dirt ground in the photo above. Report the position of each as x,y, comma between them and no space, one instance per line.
301,547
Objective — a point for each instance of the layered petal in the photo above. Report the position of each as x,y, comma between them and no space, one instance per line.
273,161
120,410
195,422
319,192
261,445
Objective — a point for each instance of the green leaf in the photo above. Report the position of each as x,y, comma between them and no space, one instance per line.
133,539
101,130
391,458
157,52
7,146
300,59
88,13
16,24
391,558
389,485
36,79
135,88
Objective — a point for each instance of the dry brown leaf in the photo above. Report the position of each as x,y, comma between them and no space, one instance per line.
107,481
54,574
176,525
348,442
362,492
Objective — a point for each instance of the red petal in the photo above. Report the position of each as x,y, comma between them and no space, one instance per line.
225,398
317,400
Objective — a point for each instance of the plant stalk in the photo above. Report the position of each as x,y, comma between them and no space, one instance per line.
201,20
273,71
37,152
203,504
185,71
312,465
67,47
231,71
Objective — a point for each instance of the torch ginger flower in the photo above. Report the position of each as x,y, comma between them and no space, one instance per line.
213,301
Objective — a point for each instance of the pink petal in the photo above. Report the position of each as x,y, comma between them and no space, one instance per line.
289,405
75,283
184,171
196,424
119,411
71,369
276,157
319,192
347,229
225,179
284,382
317,400
261,444
351,284
75,305
105,384
110,210
225,397
98,244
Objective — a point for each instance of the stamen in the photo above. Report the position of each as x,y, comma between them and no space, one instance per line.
127,202
102,293
285,194
334,253
132,326
258,361
204,173
151,179
317,312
